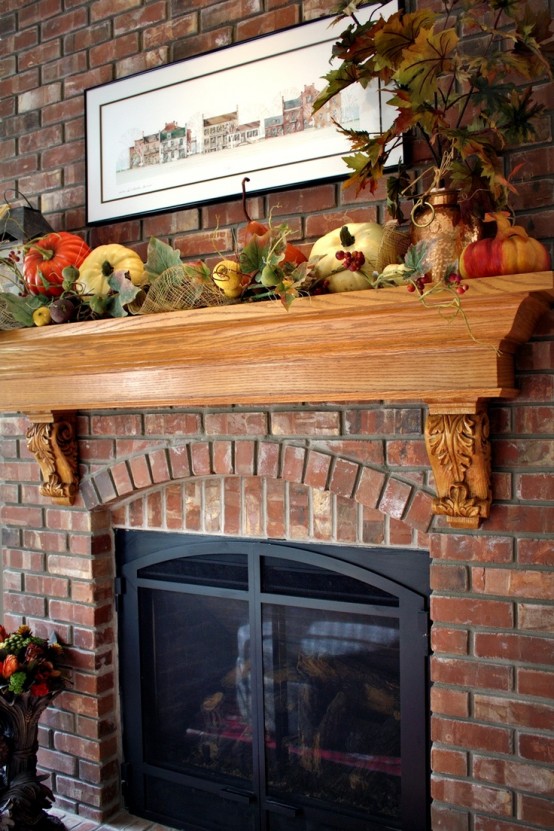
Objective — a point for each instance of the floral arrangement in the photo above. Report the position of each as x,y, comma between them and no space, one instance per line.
112,281
461,78
59,279
29,663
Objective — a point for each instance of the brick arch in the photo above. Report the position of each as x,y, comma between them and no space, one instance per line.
146,475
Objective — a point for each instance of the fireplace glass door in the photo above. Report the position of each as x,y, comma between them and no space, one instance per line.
271,688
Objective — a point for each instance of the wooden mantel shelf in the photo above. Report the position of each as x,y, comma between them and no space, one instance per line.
360,346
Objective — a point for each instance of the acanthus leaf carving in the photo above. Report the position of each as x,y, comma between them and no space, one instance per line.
452,441
459,451
51,439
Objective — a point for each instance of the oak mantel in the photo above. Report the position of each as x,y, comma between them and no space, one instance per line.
359,346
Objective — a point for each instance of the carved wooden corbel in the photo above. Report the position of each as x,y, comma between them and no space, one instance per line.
52,440
457,440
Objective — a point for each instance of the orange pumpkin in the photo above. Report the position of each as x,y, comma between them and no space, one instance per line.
511,251
46,259
292,254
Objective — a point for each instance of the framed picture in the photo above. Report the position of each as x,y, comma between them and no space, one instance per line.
189,132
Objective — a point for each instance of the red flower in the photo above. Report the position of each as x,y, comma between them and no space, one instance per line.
33,652
39,689
11,665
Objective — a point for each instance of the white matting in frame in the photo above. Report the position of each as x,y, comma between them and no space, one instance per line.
189,132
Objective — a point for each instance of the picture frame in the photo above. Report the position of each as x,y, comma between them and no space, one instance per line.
189,132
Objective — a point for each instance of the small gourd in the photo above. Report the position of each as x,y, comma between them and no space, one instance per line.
346,257
229,278
511,251
103,261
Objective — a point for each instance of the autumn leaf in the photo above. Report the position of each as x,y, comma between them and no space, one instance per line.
535,44
399,33
425,61
252,257
357,43
337,80
263,250
518,113
197,272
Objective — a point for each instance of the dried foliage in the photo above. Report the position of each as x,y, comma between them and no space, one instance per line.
469,98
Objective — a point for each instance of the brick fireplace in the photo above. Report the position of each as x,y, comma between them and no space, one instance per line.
348,474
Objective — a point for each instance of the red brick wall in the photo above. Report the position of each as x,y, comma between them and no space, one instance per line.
344,474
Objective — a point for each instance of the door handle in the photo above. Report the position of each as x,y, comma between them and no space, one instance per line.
237,795
282,808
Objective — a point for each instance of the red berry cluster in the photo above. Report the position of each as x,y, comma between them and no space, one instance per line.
14,256
352,260
455,281
419,284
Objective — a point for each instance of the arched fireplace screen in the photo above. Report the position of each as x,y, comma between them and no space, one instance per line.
273,687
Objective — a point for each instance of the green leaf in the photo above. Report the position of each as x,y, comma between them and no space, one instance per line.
98,303
196,273
518,114
125,290
17,682
70,276
416,259
22,308
160,256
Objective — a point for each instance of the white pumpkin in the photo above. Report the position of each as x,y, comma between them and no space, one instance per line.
348,240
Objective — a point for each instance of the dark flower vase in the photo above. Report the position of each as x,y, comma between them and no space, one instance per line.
23,796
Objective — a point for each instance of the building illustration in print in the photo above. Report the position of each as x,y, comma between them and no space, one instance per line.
224,131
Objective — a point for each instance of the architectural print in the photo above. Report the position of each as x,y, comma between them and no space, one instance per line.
224,131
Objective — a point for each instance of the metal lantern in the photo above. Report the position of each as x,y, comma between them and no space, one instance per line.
22,223
18,225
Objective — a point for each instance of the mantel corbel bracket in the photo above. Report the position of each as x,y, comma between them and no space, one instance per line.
51,438
457,440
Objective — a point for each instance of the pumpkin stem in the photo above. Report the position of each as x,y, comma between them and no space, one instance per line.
244,181
107,268
346,238
505,229
47,253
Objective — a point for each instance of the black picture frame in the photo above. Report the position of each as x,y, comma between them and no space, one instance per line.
189,132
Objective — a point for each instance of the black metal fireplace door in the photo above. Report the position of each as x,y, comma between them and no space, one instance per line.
273,687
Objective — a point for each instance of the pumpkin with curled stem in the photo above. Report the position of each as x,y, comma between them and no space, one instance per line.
511,251
103,261
46,258
229,278
347,257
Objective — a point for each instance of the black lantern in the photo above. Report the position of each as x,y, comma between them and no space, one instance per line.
18,225
22,223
